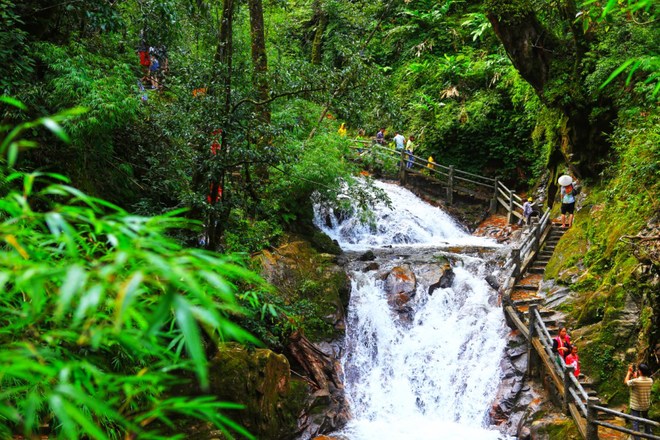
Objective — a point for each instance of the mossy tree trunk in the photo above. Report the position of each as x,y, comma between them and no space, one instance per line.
321,20
217,192
550,59
259,136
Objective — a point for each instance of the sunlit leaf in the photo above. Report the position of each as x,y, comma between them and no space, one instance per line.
56,129
192,337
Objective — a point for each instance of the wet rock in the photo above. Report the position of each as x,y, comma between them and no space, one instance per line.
367,256
371,266
260,380
492,282
401,279
446,279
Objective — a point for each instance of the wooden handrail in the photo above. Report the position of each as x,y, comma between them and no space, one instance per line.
454,179
583,408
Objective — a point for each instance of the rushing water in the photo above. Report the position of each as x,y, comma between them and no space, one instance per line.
433,375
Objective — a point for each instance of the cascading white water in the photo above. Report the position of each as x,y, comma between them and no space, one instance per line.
410,221
435,376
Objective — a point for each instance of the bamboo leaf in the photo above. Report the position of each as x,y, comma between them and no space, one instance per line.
83,421
76,277
56,128
11,101
192,337
616,73
126,296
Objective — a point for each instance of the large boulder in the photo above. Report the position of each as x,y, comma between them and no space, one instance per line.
259,379
303,275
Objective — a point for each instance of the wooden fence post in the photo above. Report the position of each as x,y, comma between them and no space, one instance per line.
515,256
592,415
450,185
537,237
532,333
511,216
568,372
493,202
402,168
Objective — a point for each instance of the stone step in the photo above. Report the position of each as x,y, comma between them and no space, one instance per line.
543,261
529,287
552,325
545,254
527,301
536,270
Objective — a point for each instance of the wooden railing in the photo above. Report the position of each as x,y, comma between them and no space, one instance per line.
455,180
577,403
525,252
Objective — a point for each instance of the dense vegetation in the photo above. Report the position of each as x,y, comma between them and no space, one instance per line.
242,132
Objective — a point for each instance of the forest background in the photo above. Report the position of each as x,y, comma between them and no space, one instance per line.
522,91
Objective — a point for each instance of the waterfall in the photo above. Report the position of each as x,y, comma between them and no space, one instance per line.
435,374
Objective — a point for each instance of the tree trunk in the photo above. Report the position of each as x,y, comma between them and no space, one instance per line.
223,57
259,59
551,63
317,44
258,135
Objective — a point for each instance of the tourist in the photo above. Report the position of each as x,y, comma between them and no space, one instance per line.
527,210
567,200
431,163
145,62
640,384
410,147
561,345
572,360
380,136
399,141
342,130
153,72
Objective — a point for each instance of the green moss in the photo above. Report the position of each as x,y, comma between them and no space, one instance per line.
509,11
323,243
590,308
311,290
559,430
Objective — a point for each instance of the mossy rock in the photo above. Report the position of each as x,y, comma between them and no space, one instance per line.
554,427
260,380
310,284
323,243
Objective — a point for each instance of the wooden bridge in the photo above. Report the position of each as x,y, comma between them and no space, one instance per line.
526,313
444,181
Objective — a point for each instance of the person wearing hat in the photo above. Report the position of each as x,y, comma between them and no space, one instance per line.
567,201
528,209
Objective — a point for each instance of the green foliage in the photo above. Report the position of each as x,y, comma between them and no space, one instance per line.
102,314
15,62
245,235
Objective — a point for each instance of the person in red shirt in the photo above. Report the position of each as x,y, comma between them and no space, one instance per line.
145,62
561,345
572,360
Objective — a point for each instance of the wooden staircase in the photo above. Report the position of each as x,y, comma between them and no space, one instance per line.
527,292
